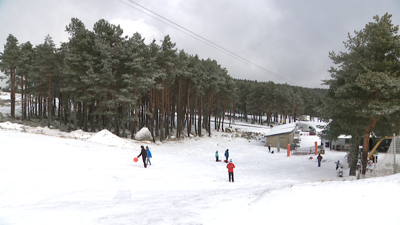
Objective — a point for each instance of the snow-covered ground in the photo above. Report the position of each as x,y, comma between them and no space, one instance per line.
52,177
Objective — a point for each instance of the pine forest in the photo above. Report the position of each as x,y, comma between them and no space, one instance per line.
102,79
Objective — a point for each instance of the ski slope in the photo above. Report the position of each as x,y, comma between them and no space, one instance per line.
52,177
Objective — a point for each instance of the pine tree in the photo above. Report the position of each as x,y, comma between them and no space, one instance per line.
166,62
365,85
10,58
46,63
79,62
25,69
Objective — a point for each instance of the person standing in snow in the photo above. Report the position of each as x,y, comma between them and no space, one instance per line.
227,155
143,153
216,156
319,158
230,167
269,148
278,146
148,155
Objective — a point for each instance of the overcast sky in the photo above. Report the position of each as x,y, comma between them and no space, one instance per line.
290,38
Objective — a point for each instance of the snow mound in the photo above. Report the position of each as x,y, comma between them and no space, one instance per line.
10,126
107,138
79,134
143,135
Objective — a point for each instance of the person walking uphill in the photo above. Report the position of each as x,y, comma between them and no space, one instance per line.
143,153
148,155
227,155
319,158
230,167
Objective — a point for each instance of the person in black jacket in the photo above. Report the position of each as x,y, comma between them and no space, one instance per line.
143,153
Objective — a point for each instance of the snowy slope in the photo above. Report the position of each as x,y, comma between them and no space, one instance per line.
52,177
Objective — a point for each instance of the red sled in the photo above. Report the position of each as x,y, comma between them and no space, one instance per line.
226,161
135,159
219,161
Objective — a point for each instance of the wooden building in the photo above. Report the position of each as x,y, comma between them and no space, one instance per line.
283,134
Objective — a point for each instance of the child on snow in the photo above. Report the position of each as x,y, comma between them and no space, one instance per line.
340,167
230,167
148,155
319,158
227,155
216,156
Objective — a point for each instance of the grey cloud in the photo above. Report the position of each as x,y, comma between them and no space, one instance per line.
291,38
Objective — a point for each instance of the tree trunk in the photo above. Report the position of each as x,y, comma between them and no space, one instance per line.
49,109
366,144
75,114
209,114
23,101
179,110
200,114
12,93
189,120
223,115
85,114
353,156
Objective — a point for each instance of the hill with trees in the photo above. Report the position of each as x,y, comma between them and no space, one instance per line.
101,79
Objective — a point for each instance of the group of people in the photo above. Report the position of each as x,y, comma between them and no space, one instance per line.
146,155
226,156
230,165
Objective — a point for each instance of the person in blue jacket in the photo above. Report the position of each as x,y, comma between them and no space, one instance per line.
148,155
227,155
216,156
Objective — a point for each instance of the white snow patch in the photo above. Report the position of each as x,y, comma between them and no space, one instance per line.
79,134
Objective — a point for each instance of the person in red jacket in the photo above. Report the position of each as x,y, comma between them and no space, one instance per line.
230,167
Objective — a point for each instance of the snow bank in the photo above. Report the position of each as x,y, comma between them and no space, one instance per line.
103,137
36,130
12,126
79,134
107,138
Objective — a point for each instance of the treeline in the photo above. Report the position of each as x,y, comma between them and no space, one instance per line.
101,79
276,102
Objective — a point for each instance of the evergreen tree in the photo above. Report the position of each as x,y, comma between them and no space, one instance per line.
166,61
364,88
25,66
46,64
10,58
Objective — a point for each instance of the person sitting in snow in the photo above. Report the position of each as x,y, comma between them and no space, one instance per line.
143,153
340,167
227,155
148,155
216,156
230,167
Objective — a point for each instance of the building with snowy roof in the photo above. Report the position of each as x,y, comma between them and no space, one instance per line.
283,134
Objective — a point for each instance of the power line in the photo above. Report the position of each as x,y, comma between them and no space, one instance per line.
202,39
